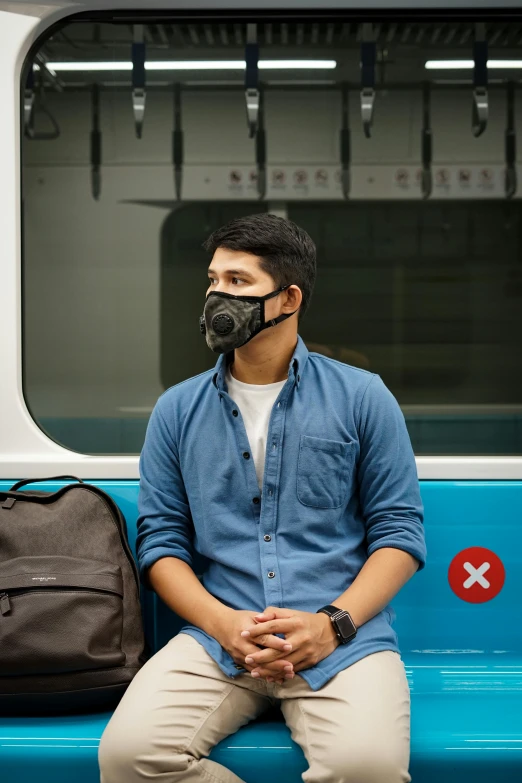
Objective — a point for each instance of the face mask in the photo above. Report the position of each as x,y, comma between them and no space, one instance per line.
229,321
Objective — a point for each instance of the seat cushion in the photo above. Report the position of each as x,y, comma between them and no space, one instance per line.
466,726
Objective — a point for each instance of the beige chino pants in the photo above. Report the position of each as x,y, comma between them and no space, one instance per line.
355,729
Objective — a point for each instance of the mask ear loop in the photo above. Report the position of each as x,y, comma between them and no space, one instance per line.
282,317
276,292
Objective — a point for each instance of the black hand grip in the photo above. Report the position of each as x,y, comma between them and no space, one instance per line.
50,478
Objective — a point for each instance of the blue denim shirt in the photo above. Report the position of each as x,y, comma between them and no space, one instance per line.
340,481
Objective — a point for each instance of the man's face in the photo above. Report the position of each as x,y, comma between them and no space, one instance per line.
238,273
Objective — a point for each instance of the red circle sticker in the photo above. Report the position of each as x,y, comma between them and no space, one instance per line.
476,575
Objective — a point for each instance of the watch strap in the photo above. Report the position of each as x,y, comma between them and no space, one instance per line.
331,610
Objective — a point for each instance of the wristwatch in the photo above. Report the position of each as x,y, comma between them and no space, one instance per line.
343,624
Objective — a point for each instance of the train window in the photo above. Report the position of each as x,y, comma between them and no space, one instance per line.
142,136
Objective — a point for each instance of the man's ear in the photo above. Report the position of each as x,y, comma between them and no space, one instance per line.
296,289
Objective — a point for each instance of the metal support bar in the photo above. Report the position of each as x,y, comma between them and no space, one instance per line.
261,148
252,79
462,85
138,78
511,182
368,60
177,142
96,141
426,142
480,108
345,142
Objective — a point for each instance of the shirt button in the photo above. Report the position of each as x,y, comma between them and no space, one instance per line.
255,500
246,455
234,413
267,538
271,574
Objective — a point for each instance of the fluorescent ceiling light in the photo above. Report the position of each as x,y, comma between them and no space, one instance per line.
466,65
296,64
194,65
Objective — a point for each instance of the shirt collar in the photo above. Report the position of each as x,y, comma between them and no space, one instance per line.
295,368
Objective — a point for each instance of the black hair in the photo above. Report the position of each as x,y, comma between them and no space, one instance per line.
287,253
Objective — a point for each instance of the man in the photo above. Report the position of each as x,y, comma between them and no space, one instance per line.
293,475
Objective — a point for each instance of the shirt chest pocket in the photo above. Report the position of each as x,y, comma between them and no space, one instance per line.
323,471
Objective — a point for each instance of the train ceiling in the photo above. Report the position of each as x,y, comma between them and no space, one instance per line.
282,34
402,47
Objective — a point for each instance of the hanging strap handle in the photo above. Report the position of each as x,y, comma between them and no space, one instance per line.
252,80
261,148
480,107
28,98
368,60
177,142
138,79
96,143
345,144
427,139
511,182
38,106
33,481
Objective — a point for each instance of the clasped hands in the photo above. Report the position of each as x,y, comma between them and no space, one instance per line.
308,638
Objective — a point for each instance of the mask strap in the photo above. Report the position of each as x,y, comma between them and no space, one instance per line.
274,321
280,318
276,292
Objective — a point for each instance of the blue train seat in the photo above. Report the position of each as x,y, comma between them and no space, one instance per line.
463,661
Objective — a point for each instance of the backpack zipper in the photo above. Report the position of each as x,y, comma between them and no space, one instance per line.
5,605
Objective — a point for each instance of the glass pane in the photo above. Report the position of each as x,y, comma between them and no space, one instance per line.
425,292
440,322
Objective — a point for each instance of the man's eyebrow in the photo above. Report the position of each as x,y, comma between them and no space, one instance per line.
238,272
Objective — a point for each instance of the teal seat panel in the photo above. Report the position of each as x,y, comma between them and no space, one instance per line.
463,662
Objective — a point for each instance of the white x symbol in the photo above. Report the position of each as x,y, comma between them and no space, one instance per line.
476,575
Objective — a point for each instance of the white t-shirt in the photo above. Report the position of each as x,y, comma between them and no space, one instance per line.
255,403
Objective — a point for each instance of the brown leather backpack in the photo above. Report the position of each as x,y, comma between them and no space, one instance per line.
71,630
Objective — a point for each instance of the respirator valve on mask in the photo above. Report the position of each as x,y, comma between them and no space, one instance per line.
222,323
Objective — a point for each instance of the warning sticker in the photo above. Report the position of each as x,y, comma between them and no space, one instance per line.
476,575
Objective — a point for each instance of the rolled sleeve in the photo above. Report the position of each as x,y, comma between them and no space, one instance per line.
164,526
387,476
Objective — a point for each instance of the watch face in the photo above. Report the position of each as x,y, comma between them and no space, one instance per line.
346,626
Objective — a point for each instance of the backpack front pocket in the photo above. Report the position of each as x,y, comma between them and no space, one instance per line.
59,614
